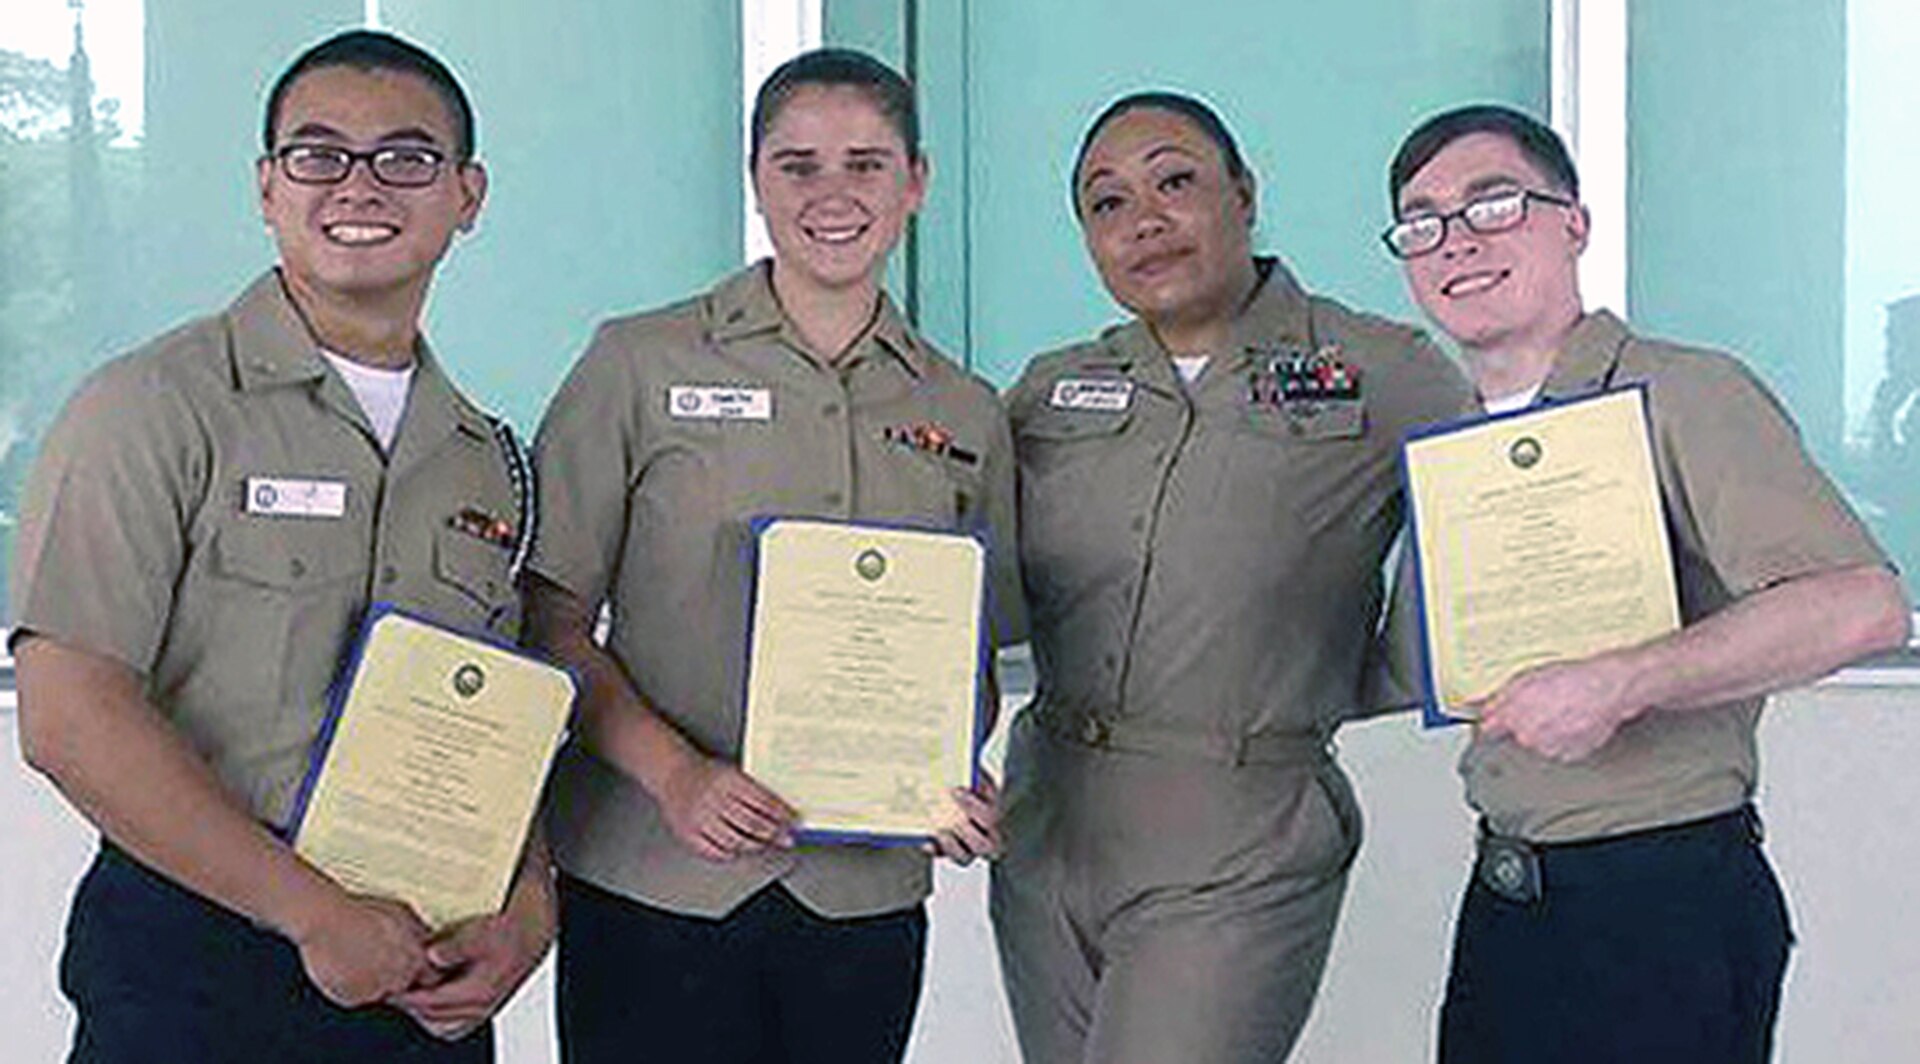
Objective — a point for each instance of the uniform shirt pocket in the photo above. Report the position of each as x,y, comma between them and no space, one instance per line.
269,631
278,553
1308,420
478,574
1051,440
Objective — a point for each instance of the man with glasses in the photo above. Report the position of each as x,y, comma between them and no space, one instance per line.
208,521
1621,907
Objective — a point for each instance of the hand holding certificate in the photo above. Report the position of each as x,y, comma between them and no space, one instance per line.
864,682
1539,537
431,769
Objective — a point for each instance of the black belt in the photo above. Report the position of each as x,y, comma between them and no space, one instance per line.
1520,871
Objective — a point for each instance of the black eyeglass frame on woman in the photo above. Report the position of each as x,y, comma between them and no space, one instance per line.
1422,234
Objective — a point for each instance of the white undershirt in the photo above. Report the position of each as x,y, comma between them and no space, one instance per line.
1512,401
381,393
1189,367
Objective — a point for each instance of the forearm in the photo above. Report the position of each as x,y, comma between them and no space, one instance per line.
86,725
532,901
1784,636
533,880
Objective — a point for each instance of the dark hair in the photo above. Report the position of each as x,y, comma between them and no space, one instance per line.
373,50
1540,144
1180,104
837,68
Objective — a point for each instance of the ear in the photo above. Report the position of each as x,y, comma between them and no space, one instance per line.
919,179
1247,189
753,188
263,176
1579,227
473,193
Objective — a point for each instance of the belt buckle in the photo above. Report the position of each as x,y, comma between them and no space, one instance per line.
1509,868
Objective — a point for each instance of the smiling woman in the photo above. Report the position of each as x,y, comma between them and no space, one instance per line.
837,172
691,923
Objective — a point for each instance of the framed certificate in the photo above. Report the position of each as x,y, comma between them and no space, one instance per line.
865,675
1538,536
430,766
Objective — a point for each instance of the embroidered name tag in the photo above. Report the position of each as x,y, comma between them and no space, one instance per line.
295,497
717,402
1091,393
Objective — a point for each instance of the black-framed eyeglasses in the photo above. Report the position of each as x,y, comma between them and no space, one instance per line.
1419,234
398,166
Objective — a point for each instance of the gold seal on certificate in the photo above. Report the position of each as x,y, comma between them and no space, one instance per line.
1539,537
432,767
864,679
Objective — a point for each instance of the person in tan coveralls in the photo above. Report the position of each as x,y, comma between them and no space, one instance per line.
1207,494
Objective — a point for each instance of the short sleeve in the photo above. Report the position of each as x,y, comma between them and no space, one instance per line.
583,458
103,530
1761,510
1424,387
1020,398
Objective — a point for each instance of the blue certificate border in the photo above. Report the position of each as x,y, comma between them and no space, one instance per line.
982,687
1431,715
342,686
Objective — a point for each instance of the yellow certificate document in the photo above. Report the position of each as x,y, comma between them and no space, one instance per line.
1539,537
864,677
432,768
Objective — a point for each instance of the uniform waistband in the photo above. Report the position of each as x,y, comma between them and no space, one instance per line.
1144,737
1522,871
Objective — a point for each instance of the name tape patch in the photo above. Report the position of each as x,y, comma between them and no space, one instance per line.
719,402
296,497
1091,393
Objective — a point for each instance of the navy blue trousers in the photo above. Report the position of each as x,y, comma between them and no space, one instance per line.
770,982
1662,946
160,975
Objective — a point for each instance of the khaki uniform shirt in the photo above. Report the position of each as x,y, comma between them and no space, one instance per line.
673,431
1746,509
1203,563
146,536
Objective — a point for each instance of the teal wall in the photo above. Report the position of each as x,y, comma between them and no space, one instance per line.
1737,185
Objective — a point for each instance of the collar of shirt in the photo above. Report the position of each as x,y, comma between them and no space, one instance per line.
1275,319
1588,357
743,306
271,347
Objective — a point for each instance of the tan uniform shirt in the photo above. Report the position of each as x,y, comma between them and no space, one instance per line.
1746,509
675,429
1203,564
213,511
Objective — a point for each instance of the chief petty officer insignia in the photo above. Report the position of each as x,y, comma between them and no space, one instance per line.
1298,379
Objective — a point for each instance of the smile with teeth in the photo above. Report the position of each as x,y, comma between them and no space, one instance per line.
360,233
835,234
1473,283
